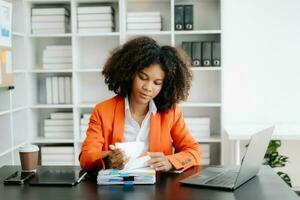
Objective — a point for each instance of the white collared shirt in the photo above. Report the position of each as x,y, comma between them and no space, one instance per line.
133,131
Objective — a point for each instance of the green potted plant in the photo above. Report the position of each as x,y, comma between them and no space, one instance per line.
274,160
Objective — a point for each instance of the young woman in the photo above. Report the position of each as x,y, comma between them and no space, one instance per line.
149,80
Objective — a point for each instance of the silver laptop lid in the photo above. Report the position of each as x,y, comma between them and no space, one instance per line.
254,156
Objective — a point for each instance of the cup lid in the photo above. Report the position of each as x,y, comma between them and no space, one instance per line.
28,148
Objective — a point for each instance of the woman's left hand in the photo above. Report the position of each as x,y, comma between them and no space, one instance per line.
159,162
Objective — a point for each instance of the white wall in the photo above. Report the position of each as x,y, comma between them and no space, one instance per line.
261,60
261,47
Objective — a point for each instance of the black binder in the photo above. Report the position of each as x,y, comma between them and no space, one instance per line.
187,47
196,53
206,53
188,17
179,17
216,54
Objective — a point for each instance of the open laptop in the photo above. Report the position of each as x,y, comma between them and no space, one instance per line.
60,177
231,177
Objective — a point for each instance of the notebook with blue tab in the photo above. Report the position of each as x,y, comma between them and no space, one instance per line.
144,175
136,171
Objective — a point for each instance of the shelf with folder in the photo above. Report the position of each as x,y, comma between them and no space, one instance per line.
198,32
212,68
206,15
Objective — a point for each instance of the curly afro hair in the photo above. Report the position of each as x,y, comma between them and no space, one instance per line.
141,52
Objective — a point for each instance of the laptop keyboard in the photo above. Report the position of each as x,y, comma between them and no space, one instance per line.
225,179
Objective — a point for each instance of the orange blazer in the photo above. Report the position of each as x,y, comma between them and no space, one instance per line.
167,130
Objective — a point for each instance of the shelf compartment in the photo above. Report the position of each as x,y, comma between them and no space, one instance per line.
38,89
94,51
161,39
152,6
207,14
91,88
213,113
37,117
38,45
19,97
114,4
206,87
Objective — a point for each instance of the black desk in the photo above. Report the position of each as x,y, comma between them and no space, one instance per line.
266,186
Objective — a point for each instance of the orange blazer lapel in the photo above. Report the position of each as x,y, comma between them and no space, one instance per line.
119,121
155,129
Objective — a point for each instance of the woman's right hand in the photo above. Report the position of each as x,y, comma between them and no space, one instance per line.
116,158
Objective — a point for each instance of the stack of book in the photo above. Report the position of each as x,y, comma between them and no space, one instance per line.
205,157
144,21
131,177
198,126
95,19
57,155
84,124
59,90
57,57
59,125
46,20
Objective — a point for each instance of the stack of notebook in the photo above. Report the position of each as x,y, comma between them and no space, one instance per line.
136,171
95,19
198,126
60,125
57,155
144,21
57,57
205,157
50,20
136,176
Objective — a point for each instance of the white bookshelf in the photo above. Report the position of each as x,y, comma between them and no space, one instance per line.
89,53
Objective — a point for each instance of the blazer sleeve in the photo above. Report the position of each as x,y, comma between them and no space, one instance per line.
188,150
92,154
